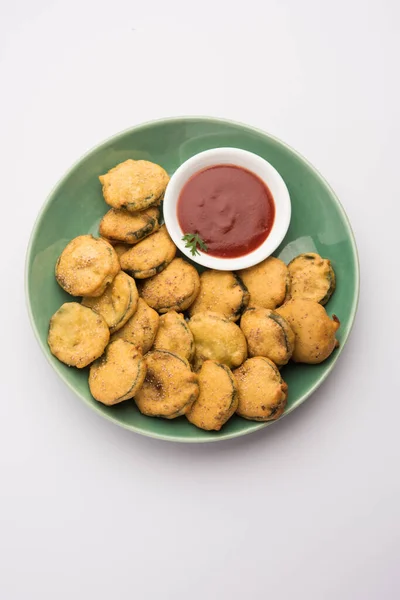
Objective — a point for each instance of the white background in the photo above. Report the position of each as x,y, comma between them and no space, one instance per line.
308,508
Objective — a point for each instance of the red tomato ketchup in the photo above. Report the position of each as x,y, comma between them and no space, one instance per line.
229,207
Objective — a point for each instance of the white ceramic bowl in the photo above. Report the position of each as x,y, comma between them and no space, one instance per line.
241,158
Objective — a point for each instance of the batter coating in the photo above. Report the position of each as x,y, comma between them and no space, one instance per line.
314,331
221,292
127,227
311,277
141,328
217,338
150,256
174,289
268,334
174,335
267,282
170,387
218,397
118,374
77,335
118,303
86,266
262,391
134,185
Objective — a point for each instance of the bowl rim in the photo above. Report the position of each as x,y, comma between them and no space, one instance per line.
192,118
253,163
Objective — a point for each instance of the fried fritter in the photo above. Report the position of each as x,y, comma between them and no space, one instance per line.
217,338
174,335
118,374
77,335
218,398
141,328
267,282
127,227
314,331
311,277
150,256
221,292
262,391
268,334
86,266
118,303
170,387
173,289
134,185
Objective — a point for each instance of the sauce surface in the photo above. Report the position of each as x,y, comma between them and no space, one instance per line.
229,207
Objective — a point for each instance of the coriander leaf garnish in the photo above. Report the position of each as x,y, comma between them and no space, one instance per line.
193,241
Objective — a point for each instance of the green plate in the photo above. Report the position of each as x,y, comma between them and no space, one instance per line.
75,206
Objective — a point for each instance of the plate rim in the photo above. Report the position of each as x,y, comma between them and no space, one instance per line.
145,125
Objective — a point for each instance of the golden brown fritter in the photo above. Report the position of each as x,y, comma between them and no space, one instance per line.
173,289
150,256
127,227
268,334
267,282
314,331
311,277
262,391
221,292
217,338
86,266
77,335
118,303
218,397
141,328
118,374
170,387
134,185
174,335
